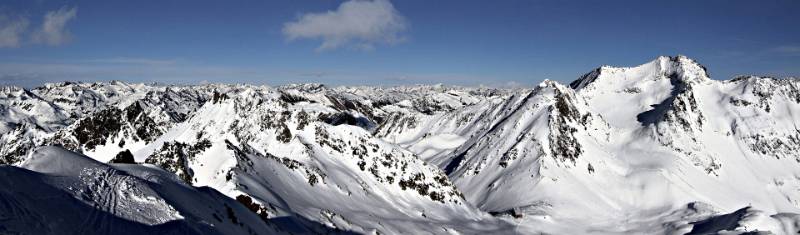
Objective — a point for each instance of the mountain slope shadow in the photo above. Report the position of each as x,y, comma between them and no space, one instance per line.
28,206
654,115
719,223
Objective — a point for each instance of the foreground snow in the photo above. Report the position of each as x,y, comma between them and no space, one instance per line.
56,191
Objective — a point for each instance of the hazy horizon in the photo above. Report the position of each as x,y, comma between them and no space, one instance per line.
382,42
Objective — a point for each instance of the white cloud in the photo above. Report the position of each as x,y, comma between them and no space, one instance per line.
358,23
11,30
53,31
791,50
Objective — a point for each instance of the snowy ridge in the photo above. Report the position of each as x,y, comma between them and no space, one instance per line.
656,148
256,144
57,191
639,144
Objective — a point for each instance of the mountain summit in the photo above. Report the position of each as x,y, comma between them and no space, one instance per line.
678,67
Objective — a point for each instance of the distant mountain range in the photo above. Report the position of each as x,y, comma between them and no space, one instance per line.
659,148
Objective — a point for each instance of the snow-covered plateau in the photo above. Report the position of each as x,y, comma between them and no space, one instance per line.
659,148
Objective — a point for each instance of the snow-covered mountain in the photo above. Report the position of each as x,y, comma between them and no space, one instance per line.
55,191
656,148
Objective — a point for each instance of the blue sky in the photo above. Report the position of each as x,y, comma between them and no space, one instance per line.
495,43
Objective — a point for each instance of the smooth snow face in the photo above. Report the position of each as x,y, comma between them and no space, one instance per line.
656,148
430,146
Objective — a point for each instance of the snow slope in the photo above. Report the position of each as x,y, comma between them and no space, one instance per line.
656,148
56,191
253,143
633,146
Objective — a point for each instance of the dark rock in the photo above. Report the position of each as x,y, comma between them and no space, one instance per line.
123,157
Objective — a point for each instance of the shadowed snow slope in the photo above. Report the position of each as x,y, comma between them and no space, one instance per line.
56,191
657,148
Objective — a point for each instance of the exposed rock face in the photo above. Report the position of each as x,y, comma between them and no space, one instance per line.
564,116
175,157
123,157
84,116
109,126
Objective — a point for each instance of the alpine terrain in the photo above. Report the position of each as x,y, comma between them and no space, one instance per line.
659,148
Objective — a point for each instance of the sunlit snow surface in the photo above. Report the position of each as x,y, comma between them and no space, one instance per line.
658,148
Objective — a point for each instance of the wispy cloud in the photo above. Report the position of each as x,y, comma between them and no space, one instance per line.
787,50
133,61
358,23
140,72
36,73
53,31
314,74
12,29
15,31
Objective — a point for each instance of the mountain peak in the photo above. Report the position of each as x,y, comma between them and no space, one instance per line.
674,67
554,84
10,88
